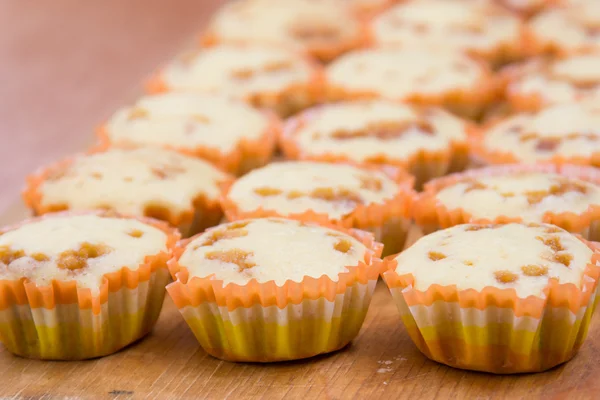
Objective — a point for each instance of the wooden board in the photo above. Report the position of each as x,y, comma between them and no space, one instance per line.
66,64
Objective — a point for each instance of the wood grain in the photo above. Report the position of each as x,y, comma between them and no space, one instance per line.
66,65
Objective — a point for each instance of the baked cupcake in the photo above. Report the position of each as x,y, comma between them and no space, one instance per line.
565,133
537,84
428,142
335,194
78,286
273,289
497,298
440,78
324,29
567,196
226,132
269,77
574,26
148,181
483,29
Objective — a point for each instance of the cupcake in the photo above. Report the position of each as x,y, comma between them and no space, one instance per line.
79,286
151,182
567,196
574,26
496,298
428,142
272,289
226,132
440,78
339,194
537,84
269,77
527,8
324,29
564,133
480,28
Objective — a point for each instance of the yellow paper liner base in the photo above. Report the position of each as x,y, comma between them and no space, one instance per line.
493,330
268,334
67,332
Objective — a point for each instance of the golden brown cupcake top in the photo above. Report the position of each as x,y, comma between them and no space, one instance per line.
566,131
513,256
296,187
370,130
270,249
131,181
80,248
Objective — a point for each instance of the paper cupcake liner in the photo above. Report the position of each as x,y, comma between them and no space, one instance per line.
284,102
203,212
493,330
389,220
61,321
263,322
324,52
248,154
423,165
430,215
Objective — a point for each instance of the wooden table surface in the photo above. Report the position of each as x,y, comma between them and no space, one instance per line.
65,65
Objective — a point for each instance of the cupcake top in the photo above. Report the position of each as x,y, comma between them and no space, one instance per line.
566,131
131,181
332,189
513,256
567,80
187,120
300,24
575,26
371,130
238,71
270,249
519,194
398,74
80,248
460,25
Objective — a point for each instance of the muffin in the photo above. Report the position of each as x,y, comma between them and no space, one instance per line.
537,84
340,194
324,29
567,196
151,182
226,132
428,142
440,78
269,77
496,298
78,286
564,133
272,289
483,29
574,26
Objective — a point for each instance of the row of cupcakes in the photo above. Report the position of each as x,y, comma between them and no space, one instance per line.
486,28
502,298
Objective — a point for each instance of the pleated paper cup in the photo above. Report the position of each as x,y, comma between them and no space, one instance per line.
263,322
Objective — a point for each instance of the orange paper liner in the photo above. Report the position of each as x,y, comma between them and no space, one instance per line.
556,296
423,165
432,215
469,103
324,52
59,295
203,212
391,215
284,102
248,154
193,291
